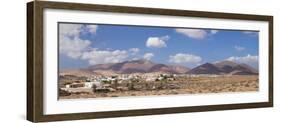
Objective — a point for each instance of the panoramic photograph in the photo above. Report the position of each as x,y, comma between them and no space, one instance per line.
107,61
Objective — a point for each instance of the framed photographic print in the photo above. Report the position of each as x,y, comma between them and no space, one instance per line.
96,61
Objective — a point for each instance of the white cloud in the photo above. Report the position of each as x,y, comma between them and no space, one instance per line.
148,56
193,33
135,59
70,42
92,28
214,31
157,42
181,58
66,29
249,32
196,33
248,59
73,48
134,50
102,56
239,48
252,33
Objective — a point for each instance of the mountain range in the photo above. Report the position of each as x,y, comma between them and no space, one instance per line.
147,66
224,67
138,66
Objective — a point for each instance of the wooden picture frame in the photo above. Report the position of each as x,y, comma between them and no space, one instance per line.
35,60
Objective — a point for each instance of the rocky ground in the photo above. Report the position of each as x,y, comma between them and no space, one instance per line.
197,85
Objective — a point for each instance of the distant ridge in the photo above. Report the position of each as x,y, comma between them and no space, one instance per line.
224,67
147,66
138,66
206,68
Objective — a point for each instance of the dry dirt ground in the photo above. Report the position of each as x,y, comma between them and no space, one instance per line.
196,85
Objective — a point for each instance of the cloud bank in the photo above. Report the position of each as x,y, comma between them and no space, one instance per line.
70,43
102,56
196,33
181,58
248,59
148,56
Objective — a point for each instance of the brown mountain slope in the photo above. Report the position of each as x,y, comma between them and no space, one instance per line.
138,66
146,66
224,67
206,68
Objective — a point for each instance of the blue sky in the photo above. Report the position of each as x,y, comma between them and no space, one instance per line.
82,45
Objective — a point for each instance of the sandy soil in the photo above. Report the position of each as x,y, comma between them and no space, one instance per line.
192,86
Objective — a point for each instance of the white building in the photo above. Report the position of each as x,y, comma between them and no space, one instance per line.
90,84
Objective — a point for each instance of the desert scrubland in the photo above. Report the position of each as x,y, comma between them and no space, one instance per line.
162,85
